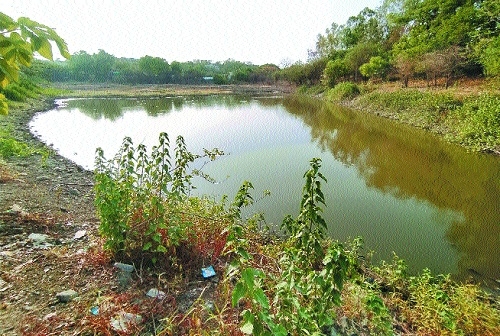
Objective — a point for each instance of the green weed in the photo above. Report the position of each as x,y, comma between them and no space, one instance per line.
141,197
300,298
477,123
343,91
9,146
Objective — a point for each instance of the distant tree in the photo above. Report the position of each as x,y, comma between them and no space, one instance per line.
375,68
102,66
490,57
360,54
361,29
156,69
334,71
294,73
329,43
406,67
443,63
19,40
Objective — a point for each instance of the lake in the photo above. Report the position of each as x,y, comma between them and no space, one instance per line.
403,190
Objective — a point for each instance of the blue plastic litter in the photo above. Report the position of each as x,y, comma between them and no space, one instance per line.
208,272
94,310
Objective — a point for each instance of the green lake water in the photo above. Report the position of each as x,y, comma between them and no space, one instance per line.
402,189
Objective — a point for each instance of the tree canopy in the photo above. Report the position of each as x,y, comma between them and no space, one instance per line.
19,41
407,38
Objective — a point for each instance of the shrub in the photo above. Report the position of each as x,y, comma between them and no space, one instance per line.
478,124
343,91
9,146
312,275
141,199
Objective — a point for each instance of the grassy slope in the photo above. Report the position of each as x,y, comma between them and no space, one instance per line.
467,113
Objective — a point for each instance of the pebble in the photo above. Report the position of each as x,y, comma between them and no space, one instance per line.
156,293
39,240
123,320
124,267
79,234
66,296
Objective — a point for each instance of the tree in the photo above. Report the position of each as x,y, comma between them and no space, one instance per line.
375,68
442,63
153,66
334,70
490,57
19,40
360,54
406,67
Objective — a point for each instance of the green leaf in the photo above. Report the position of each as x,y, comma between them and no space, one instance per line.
147,246
161,249
7,23
248,276
261,298
249,319
247,328
4,107
238,293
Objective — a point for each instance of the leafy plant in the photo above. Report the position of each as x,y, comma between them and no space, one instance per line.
19,40
478,123
343,91
9,146
309,285
140,197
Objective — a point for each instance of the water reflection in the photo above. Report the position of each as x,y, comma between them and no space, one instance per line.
409,163
112,109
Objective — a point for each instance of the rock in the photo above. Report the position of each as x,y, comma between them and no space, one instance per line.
123,320
125,267
39,240
18,210
66,296
156,293
74,192
79,234
125,274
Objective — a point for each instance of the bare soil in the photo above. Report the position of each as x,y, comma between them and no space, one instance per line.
49,196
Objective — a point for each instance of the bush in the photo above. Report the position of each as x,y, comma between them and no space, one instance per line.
478,123
343,91
142,199
11,147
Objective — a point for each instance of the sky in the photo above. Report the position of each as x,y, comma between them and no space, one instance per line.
257,31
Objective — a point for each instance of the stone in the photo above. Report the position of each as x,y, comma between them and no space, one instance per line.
39,240
79,234
66,296
156,293
121,322
18,210
125,267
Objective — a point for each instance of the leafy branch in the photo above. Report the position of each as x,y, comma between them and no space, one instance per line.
19,40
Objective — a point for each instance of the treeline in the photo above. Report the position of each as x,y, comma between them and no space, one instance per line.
436,40
405,39
104,67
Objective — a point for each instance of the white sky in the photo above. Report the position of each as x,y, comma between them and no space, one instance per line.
258,31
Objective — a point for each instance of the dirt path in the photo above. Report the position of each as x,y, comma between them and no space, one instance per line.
52,197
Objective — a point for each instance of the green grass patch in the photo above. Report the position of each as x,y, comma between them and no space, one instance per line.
343,91
10,146
477,123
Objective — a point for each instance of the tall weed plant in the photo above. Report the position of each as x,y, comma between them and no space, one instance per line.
140,197
300,299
